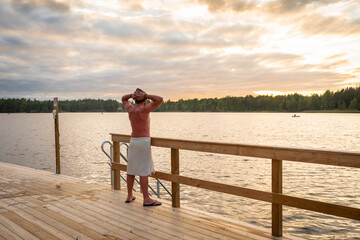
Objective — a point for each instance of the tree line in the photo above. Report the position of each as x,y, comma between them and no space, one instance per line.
341,100
15,105
344,99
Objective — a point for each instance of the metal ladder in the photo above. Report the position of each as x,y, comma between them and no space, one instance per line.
110,156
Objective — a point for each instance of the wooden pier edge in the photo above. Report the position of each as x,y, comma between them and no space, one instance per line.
36,204
276,154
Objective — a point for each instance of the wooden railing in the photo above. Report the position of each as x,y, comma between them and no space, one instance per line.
276,154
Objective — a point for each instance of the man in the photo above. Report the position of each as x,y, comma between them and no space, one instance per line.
139,159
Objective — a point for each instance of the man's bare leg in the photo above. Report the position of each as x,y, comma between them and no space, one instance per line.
144,184
130,184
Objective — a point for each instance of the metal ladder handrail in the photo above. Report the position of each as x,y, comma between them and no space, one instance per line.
125,158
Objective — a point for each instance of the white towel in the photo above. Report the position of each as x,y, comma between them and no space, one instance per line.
140,161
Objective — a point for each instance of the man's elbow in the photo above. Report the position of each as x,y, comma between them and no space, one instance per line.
124,99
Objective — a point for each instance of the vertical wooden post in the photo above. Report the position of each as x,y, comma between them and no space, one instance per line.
175,169
276,210
57,135
116,156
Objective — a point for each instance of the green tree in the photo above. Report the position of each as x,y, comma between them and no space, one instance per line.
354,104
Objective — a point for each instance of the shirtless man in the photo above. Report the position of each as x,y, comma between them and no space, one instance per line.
139,159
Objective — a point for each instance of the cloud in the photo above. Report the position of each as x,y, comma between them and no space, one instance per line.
286,7
334,64
136,7
308,14
122,29
229,5
12,41
317,24
26,6
356,70
11,86
214,5
277,7
334,56
33,18
82,50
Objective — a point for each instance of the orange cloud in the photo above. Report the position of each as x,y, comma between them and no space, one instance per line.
316,24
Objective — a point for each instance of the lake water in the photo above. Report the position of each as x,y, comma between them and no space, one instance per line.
28,140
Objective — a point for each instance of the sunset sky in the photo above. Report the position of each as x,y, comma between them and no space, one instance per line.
75,49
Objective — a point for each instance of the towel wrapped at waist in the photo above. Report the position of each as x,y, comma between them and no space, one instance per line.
140,160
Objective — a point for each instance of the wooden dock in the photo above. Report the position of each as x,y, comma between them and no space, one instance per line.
36,204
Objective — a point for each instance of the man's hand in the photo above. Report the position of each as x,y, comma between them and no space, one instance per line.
138,95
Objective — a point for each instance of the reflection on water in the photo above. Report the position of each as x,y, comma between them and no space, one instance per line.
28,139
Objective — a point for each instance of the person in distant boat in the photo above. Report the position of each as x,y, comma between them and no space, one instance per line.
140,159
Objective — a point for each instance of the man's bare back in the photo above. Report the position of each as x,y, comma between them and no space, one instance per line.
139,114
140,121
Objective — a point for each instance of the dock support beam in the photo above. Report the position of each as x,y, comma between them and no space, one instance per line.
175,169
57,135
276,166
116,156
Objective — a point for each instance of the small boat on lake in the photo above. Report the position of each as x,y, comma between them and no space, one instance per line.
295,115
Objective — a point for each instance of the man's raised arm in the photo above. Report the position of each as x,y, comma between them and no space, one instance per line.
156,102
125,100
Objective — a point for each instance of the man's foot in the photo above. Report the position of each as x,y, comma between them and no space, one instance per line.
129,200
154,203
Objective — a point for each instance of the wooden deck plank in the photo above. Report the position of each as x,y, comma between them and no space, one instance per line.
28,226
200,221
43,225
185,223
172,228
147,233
35,204
130,228
105,223
7,234
70,223
123,219
212,226
56,224
13,227
85,221
78,185
128,205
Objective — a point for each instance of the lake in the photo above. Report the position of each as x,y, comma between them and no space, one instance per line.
28,140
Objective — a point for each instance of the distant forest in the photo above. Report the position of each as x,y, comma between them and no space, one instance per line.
15,105
342,100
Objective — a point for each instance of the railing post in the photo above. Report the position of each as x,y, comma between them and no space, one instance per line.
276,166
116,157
175,169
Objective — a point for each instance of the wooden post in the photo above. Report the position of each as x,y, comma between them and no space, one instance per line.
175,169
57,135
116,156
276,166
